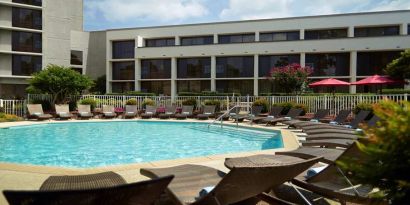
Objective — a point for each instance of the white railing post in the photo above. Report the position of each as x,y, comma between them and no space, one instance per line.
1,103
405,96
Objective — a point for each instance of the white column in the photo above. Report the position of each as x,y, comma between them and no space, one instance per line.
303,59
139,42
350,32
108,66
353,70
302,34
213,73
216,40
138,74
177,41
173,77
256,75
257,34
404,29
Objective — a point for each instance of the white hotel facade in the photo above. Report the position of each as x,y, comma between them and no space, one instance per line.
225,57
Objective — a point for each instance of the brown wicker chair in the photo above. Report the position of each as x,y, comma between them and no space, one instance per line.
150,111
169,112
209,110
321,113
109,111
293,113
131,111
35,111
95,189
187,111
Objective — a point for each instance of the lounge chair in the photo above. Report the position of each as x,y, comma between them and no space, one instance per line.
35,111
131,111
329,135
150,111
329,154
339,119
255,111
291,114
329,143
109,111
219,188
320,114
187,111
209,110
63,112
274,113
84,112
169,112
104,188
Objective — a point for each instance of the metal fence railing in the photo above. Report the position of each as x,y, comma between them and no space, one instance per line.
313,103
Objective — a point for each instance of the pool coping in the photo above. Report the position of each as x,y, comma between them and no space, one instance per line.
289,139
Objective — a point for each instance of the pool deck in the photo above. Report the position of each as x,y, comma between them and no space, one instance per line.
30,177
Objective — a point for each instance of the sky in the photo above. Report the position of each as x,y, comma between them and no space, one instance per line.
111,14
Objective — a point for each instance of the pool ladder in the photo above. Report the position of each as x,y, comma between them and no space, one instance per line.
220,118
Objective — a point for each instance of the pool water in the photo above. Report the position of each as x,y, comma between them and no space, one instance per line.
94,144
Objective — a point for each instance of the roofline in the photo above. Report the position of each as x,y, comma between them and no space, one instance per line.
256,20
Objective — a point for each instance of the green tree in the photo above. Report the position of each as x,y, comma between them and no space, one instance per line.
60,82
400,68
100,85
291,78
385,159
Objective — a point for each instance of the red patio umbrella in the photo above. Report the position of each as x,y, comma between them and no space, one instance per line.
329,82
377,80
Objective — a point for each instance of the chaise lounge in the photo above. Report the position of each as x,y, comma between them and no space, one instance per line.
150,111
187,111
109,111
84,112
63,112
35,111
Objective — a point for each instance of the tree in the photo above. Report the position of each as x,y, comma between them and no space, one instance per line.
400,68
291,78
385,157
100,85
59,82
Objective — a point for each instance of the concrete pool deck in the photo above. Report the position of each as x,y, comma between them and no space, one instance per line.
30,177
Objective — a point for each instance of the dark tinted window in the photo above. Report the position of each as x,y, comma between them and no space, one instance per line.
26,65
157,87
194,68
326,34
76,58
333,64
156,69
79,70
244,87
122,87
267,86
160,42
27,18
238,38
408,29
31,2
26,42
123,70
234,67
197,40
266,63
123,49
196,86
279,36
377,31
371,63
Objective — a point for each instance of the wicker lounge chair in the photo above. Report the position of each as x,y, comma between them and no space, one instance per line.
329,154
187,111
239,184
35,111
150,111
105,188
329,143
339,119
255,111
329,135
209,110
291,114
84,112
321,113
63,112
274,113
131,111
109,111
169,112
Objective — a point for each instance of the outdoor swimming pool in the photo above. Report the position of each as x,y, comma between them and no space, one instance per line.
95,144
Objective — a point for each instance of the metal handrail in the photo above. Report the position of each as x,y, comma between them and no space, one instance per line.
220,118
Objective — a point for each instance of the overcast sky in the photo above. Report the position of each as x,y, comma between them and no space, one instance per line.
106,14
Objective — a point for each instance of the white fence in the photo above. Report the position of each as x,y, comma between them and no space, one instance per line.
313,103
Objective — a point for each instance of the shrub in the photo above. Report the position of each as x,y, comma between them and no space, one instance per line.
396,91
262,102
9,118
131,102
189,94
363,106
209,93
88,101
190,101
148,101
217,103
138,93
46,104
384,161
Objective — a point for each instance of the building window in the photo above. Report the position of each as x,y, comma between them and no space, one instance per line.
326,34
24,65
122,87
371,63
156,69
31,2
408,29
197,40
26,42
27,18
238,38
266,63
195,86
267,87
377,31
194,68
123,49
160,42
123,70
234,67
76,58
244,87
79,70
157,87
279,36
332,64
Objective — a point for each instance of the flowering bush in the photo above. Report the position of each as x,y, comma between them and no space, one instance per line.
292,78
